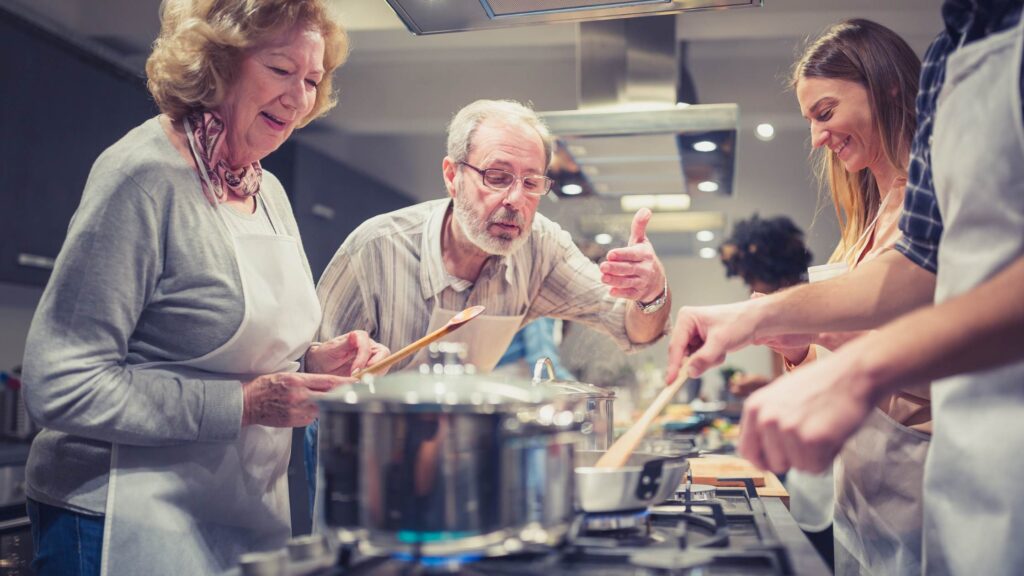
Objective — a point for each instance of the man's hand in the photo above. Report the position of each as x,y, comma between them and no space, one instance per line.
343,355
802,419
704,335
634,272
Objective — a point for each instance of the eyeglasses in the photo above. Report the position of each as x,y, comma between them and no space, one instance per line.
501,181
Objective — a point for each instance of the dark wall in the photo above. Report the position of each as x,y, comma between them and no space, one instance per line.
330,199
60,107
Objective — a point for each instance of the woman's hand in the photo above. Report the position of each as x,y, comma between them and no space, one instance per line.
343,355
285,400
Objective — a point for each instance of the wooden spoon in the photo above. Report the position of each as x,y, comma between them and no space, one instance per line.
454,324
619,452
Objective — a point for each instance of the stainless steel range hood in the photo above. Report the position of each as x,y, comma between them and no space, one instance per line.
638,137
441,16
637,130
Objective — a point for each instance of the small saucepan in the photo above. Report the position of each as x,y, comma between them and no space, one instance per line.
645,480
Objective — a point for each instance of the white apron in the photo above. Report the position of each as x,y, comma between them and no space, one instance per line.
194,508
974,512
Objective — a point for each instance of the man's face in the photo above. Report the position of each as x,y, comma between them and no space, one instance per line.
496,222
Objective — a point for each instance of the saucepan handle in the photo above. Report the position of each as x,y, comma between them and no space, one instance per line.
538,370
650,479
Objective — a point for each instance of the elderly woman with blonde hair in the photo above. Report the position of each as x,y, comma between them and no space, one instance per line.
164,358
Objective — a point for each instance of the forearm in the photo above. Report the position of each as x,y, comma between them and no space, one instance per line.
978,330
866,298
646,328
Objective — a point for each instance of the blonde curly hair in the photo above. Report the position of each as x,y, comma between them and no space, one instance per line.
202,42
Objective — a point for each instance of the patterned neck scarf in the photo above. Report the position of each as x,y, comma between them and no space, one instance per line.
204,131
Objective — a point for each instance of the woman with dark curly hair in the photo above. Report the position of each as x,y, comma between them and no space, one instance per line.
768,254
163,359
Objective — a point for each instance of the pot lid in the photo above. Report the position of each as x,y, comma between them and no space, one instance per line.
418,392
570,387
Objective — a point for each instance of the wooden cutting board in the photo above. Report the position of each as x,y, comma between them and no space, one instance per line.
708,469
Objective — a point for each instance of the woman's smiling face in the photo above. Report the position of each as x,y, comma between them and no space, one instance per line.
275,90
841,120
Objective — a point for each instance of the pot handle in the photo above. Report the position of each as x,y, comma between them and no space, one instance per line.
538,370
650,479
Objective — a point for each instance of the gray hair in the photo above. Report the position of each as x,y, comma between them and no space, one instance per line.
467,120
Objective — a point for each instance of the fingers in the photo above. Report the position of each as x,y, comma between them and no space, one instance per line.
362,344
750,435
634,253
325,382
684,339
638,230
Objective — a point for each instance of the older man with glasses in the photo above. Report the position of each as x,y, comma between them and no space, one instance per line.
402,274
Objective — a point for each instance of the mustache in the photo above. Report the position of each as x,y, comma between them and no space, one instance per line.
506,216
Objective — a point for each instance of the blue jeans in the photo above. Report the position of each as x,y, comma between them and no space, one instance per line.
310,450
66,543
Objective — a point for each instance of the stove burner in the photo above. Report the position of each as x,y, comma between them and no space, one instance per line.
696,493
604,522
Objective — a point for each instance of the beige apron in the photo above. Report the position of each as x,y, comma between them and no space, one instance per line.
878,490
974,504
486,337
194,508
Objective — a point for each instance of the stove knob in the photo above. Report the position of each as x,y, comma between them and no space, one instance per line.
263,563
302,548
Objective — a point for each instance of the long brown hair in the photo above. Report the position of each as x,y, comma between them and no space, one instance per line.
879,60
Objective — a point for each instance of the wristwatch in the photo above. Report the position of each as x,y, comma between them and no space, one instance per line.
656,304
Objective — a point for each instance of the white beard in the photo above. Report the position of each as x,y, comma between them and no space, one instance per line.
475,228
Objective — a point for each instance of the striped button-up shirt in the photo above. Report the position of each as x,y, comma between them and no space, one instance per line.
389,275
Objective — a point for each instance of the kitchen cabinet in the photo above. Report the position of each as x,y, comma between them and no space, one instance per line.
62,106
329,199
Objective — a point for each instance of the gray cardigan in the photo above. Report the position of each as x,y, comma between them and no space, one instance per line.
147,273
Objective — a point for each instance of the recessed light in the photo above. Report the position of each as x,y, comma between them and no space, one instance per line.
663,202
708,186
764,132
705,146
572,189
603,239
705,235
707,252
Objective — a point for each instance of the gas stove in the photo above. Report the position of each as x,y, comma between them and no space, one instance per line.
727,531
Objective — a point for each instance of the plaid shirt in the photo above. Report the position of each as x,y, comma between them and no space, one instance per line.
921,222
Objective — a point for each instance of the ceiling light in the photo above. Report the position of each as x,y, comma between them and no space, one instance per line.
682,104
705,146
708,186
705,235
572,189
660,202
764,132
708,252
603,239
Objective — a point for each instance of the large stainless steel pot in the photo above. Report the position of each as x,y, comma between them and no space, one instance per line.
646,479
592,405
450,463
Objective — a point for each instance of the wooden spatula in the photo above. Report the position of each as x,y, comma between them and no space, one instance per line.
454,324
620,451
